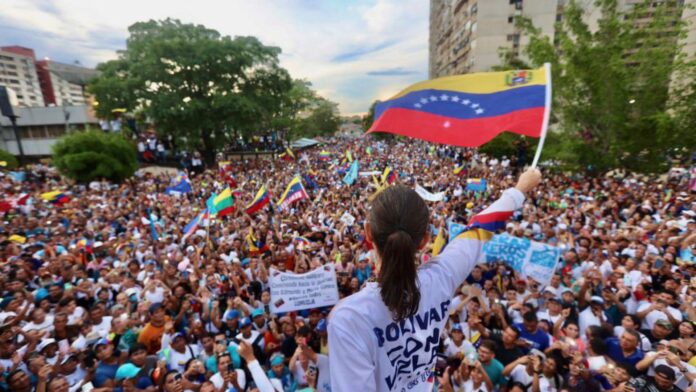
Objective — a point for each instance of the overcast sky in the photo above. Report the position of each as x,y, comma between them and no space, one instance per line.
353,51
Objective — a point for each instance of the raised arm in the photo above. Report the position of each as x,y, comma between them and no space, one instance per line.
460,256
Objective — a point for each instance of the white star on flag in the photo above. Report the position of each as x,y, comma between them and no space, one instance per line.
465,102
424,100
444,97
475,105
446,124
433,98
455,99
418,106
479,111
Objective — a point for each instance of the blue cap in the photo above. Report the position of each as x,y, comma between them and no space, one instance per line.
233,314
277,359
457,327
256,313
246,321
154,307
101,342
6,301
321,325
127,370
178,335
245,262
40,294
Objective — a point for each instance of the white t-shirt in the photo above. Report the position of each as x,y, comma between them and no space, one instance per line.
218,381
652,317
452,349
177,360
390,356
156,296
681,381
468,386
587,319
45,326
104,327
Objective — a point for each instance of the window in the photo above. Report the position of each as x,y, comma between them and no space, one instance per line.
6,58
10,73
559,17
518,5
13,81
511,19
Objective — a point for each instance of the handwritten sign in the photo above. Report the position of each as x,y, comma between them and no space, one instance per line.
314,289
530,258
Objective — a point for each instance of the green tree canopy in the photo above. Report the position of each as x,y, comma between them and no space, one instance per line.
194,84
623,94
95,155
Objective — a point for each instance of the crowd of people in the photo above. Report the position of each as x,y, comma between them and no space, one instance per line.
92,299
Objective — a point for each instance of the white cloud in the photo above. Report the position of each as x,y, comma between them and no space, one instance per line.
313,35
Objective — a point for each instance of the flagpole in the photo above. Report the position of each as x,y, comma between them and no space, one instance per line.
547,115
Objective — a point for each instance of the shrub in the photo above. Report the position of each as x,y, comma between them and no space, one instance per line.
94,155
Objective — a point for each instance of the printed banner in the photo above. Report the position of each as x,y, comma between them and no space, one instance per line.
314,289
428,196
530,258
454,229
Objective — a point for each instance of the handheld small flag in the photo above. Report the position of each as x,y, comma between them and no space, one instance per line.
183,186
153,229
222,204
294,192
193,225
460,170
260,200
55,197
476,184
352,174
471,109
324,155
17,238
349,156
388,176
287,155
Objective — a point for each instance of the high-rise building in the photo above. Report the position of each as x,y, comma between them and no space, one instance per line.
18,72
63,84
466,35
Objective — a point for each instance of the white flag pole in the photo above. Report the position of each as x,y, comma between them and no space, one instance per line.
547,115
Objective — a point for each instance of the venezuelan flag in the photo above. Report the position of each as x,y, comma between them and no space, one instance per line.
260,200
294,192
55,197
469,110
324,155
287,155
476,184
388,176
460,170
193,225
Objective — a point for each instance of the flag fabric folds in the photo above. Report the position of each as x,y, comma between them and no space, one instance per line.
476,184
294,192
483,225
55,197
260,200
468,110
153,229
460,170
287,155
193,225
388,176
183,186
352,174
324,155
439,243
222,204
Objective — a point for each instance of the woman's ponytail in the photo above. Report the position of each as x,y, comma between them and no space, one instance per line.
398,223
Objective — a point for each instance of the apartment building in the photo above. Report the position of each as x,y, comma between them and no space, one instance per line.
18,72
63,84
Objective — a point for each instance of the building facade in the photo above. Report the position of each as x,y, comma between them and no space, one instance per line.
467,35
41,127
18,72
63,84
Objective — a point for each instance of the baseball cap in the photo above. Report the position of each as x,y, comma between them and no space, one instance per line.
232,314
664,323
277,359
457,327
101,342
256,313
665,371
246,321
6,301
597,299
6,318
67,358
127,370
45,343
178,335
154,307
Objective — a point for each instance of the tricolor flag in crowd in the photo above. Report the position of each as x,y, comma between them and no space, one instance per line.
55,197
469,110
287,155
260,200
222,204
193,225
388,176
324,155
460,170
476,184
294,192
485,224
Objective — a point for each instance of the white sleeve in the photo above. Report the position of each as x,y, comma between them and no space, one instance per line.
345,343
461,255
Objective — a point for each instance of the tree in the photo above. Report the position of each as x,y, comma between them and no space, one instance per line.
321,119
95,155
369,118
9,159
614,96
194,84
